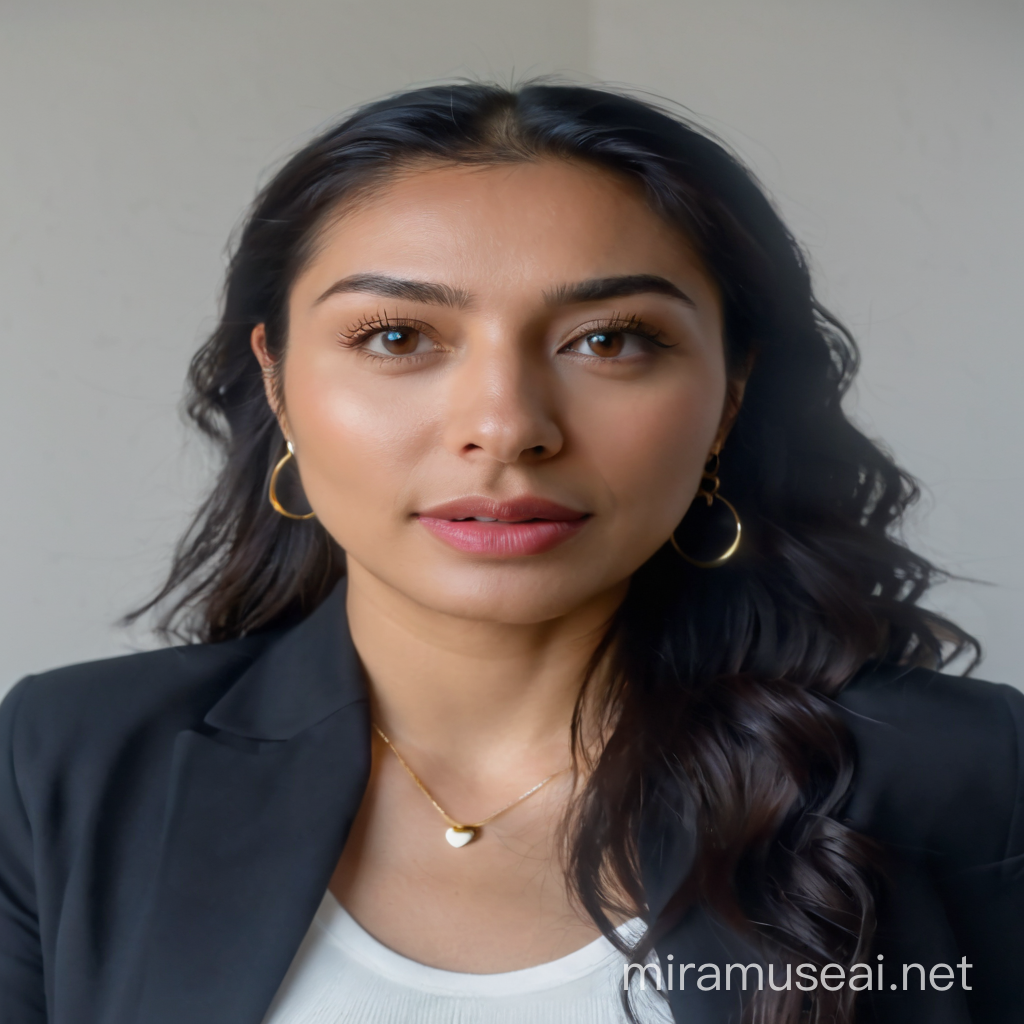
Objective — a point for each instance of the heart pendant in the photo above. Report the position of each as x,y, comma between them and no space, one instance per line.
459,836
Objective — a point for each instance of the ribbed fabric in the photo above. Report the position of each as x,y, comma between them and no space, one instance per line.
342,974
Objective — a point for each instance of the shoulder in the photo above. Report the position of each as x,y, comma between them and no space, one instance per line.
939,763
94,705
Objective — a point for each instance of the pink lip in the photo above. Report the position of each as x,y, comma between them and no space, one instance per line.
525,526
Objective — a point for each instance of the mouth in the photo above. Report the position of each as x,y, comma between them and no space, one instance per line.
503,529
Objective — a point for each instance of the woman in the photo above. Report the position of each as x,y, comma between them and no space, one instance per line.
547,615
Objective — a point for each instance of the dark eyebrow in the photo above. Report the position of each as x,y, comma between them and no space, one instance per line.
616,288
398,288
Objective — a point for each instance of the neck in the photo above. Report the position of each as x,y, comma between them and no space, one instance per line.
488,692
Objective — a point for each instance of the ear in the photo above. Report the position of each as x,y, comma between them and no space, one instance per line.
734,389
271,369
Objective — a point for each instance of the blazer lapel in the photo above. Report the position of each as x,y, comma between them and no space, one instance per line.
260,803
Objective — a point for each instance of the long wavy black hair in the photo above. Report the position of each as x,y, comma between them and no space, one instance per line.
720,677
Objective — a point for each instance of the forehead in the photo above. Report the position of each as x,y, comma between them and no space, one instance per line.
521,225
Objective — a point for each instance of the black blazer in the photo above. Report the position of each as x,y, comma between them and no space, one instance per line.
169,822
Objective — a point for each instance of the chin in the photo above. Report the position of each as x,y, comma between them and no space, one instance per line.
513,596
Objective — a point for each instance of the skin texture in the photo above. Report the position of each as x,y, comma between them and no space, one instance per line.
474,661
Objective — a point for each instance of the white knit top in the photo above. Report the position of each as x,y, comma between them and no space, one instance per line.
342,975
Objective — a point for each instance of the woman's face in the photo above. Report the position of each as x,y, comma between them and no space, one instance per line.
502,384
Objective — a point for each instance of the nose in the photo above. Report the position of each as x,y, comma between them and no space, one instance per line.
502,405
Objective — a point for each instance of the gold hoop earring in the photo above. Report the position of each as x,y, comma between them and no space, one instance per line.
272,489
709,492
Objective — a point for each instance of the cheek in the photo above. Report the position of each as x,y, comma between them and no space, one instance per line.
650,450
356,446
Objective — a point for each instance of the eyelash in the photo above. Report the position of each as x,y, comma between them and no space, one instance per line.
625,325
363,329
359,332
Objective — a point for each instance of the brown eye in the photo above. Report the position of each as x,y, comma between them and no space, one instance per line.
604,343
609,344
397,341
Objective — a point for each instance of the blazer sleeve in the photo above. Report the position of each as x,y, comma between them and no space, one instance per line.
22,993
985,901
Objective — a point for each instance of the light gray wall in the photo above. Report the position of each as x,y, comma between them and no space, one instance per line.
133,135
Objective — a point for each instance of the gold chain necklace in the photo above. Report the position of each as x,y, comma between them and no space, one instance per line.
458,833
